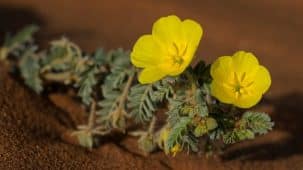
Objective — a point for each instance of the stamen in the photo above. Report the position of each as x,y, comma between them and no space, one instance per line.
243,77
249,84
236,78
184,51
176,47
241,85
177,57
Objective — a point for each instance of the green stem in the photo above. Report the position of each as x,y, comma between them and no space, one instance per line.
57,77
126,90
92,115
152,124
118,108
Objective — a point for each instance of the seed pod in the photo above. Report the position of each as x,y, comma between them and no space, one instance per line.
147,144
211,123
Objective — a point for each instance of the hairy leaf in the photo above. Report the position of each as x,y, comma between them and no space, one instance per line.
143,99
162,91
141,102
21,37
259,123
113,108
100,57
201,107
175,107
118,58
87,82
29,68
177,131
64,55
237,135
190,141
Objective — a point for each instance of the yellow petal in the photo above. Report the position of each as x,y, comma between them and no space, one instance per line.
248,101
254,81
262,80
167,29
146,52
221,93
192,33
245,62
150,75
175,149
222,69
169,50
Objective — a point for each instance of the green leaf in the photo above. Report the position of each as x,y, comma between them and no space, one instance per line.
30,67
237,135
201,107
113,109
250,124
216,134
259,123
140,102
100,57
118,58
191,142
87,82
177,131
55,57
21,37
63,55
111,90
162,91
176,108
143,99
116,78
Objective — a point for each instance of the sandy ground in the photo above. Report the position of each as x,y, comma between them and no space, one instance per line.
271,29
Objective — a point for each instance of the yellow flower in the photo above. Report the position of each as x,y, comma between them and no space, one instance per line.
162,142
174,150
168,50
162,139
239,80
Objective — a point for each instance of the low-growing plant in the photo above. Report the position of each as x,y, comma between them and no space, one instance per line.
174,106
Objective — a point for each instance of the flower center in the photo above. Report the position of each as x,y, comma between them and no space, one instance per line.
178,54
240,84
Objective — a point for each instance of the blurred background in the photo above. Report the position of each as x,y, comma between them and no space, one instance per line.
271,29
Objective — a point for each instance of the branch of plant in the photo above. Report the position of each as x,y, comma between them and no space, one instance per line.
119,111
